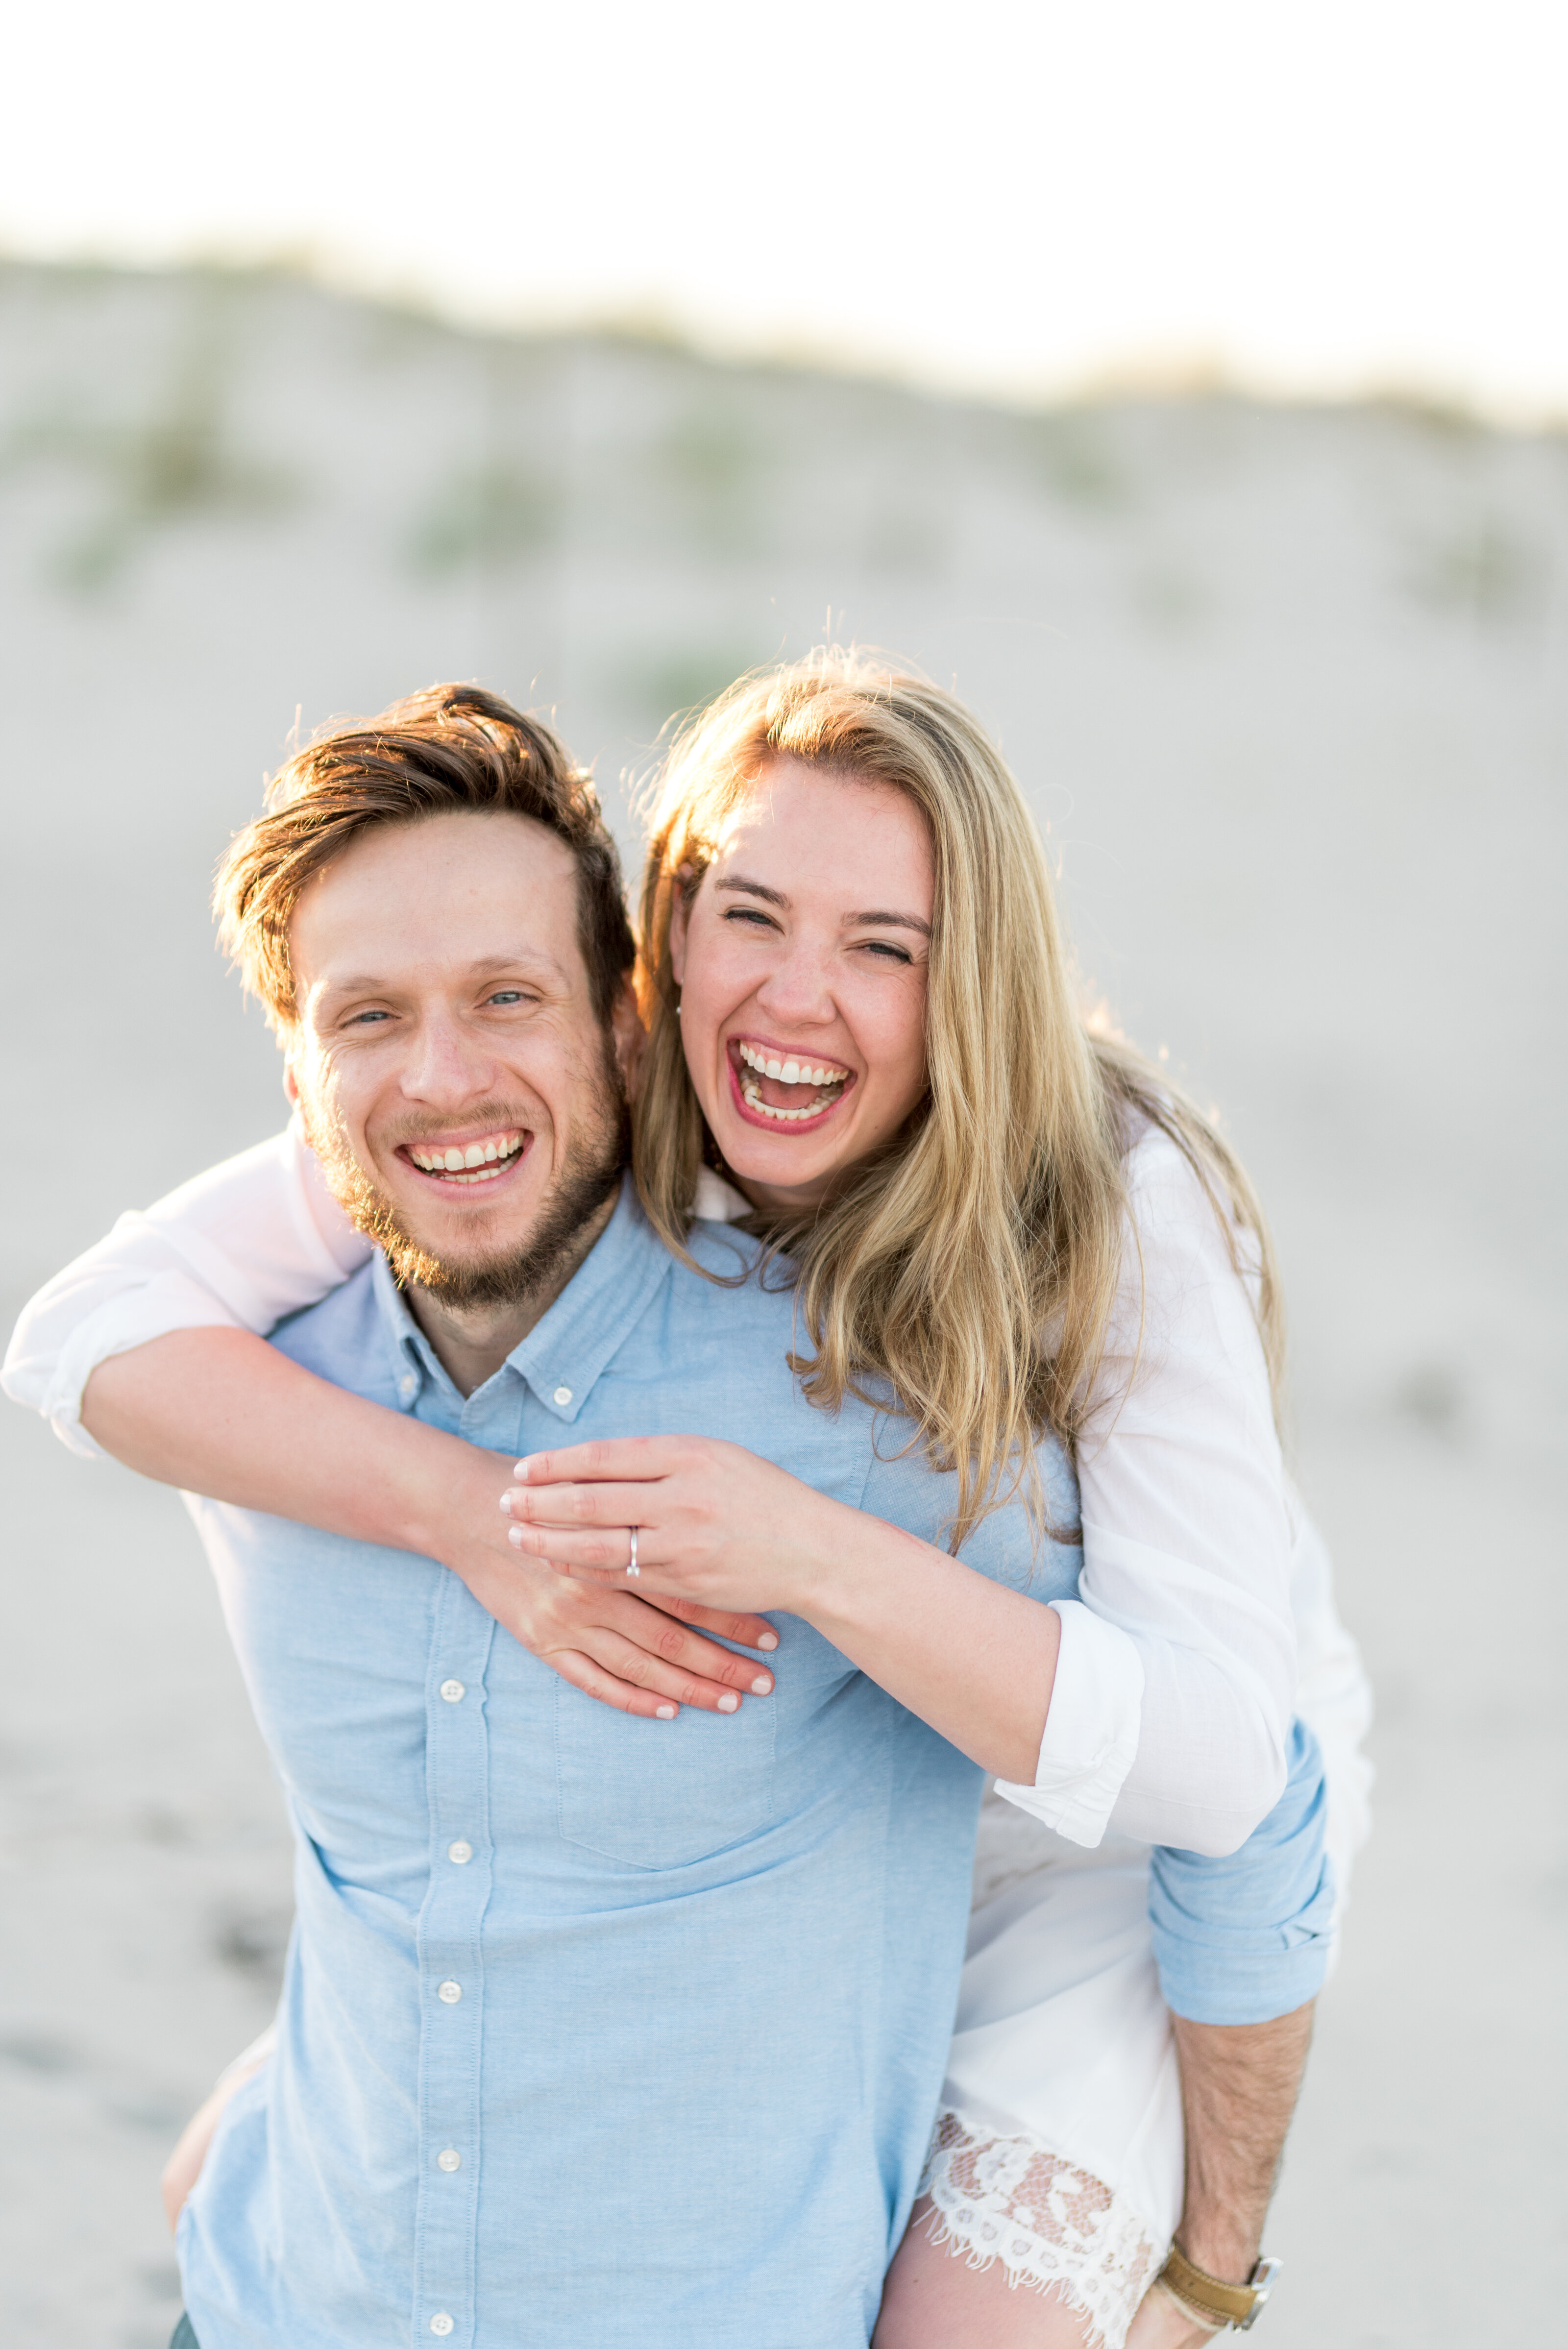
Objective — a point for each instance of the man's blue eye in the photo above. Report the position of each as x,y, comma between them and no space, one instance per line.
361,1018
507,995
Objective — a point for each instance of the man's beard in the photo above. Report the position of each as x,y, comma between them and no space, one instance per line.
588,1176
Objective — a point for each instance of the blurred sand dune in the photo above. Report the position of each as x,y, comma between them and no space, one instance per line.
1287,687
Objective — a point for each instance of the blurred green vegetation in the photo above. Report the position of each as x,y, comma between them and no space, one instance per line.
491,515
179,461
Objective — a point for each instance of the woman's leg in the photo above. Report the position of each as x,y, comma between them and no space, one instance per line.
1057,2155
934,2299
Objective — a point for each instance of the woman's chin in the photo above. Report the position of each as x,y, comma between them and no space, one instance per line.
780,1164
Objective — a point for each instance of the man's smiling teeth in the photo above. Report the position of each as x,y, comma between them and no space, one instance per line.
472,1162
789,1073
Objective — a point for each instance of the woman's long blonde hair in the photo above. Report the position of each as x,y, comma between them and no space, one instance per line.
971,1264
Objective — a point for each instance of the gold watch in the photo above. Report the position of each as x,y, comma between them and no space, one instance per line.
1211,2297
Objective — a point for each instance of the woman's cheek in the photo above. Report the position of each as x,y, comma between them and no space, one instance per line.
901,1068
703,1053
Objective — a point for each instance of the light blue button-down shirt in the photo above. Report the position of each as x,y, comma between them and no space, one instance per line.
601,2030
595,2031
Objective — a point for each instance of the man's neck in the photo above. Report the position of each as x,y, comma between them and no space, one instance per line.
471,1341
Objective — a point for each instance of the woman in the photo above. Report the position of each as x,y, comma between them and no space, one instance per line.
859,1014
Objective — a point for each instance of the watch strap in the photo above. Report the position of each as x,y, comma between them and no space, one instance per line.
1211,2297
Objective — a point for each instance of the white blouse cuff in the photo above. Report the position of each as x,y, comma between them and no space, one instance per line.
1091,1730
170,1300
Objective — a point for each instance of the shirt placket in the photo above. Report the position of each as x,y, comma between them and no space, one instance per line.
452,1971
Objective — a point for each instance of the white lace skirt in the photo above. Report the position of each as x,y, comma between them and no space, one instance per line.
1058,2151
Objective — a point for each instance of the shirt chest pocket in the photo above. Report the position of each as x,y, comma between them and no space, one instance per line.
662,1793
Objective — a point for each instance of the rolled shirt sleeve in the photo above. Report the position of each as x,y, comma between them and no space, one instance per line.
1091,1730
241,1247
1254,1936
1248,1938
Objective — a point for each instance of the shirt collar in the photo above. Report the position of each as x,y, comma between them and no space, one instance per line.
414,1358
565,1354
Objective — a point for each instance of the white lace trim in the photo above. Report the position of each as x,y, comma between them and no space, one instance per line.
1051,2224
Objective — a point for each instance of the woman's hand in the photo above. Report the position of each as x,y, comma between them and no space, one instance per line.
617,1647
715,1525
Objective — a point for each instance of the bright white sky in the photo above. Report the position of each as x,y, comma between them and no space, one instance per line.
1308,194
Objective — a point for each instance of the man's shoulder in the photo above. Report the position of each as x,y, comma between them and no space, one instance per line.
344,1337
733,1310
729,1263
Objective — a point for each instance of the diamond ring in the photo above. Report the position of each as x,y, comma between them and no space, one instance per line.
633,1570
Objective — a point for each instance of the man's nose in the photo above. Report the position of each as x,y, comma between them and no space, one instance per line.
448,1065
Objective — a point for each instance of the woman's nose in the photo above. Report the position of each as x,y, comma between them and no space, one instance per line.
797,986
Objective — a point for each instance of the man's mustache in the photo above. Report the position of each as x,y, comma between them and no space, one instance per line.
328,1136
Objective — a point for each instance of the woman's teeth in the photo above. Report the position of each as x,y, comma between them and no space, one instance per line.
472,1161
753,1100
789,1073
828,1081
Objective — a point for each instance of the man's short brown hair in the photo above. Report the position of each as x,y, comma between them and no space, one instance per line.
450,750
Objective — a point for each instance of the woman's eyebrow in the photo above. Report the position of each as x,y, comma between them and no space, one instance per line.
849,921
890,922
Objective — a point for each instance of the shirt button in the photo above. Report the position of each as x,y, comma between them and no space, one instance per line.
442,2324
448,1993
563,1396
407,1385
449,2159
459,1853
453,1691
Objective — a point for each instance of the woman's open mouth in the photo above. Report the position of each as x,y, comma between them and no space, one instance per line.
470,1161
781,1089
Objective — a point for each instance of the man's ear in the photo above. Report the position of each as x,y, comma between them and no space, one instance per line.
626,1031
291,1082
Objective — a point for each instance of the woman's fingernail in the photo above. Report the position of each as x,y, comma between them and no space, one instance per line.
769,1640
515,1536
520,1470
506,1505
728,1704
665,1712
762,1686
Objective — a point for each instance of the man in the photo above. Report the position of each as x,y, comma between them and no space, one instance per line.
589,2035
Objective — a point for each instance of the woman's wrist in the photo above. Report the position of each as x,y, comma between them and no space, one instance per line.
973,1658
854,1566
441,1498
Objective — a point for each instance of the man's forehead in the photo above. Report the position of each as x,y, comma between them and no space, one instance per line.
469,848
449,898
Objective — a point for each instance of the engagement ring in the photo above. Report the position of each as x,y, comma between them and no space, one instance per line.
633,1570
